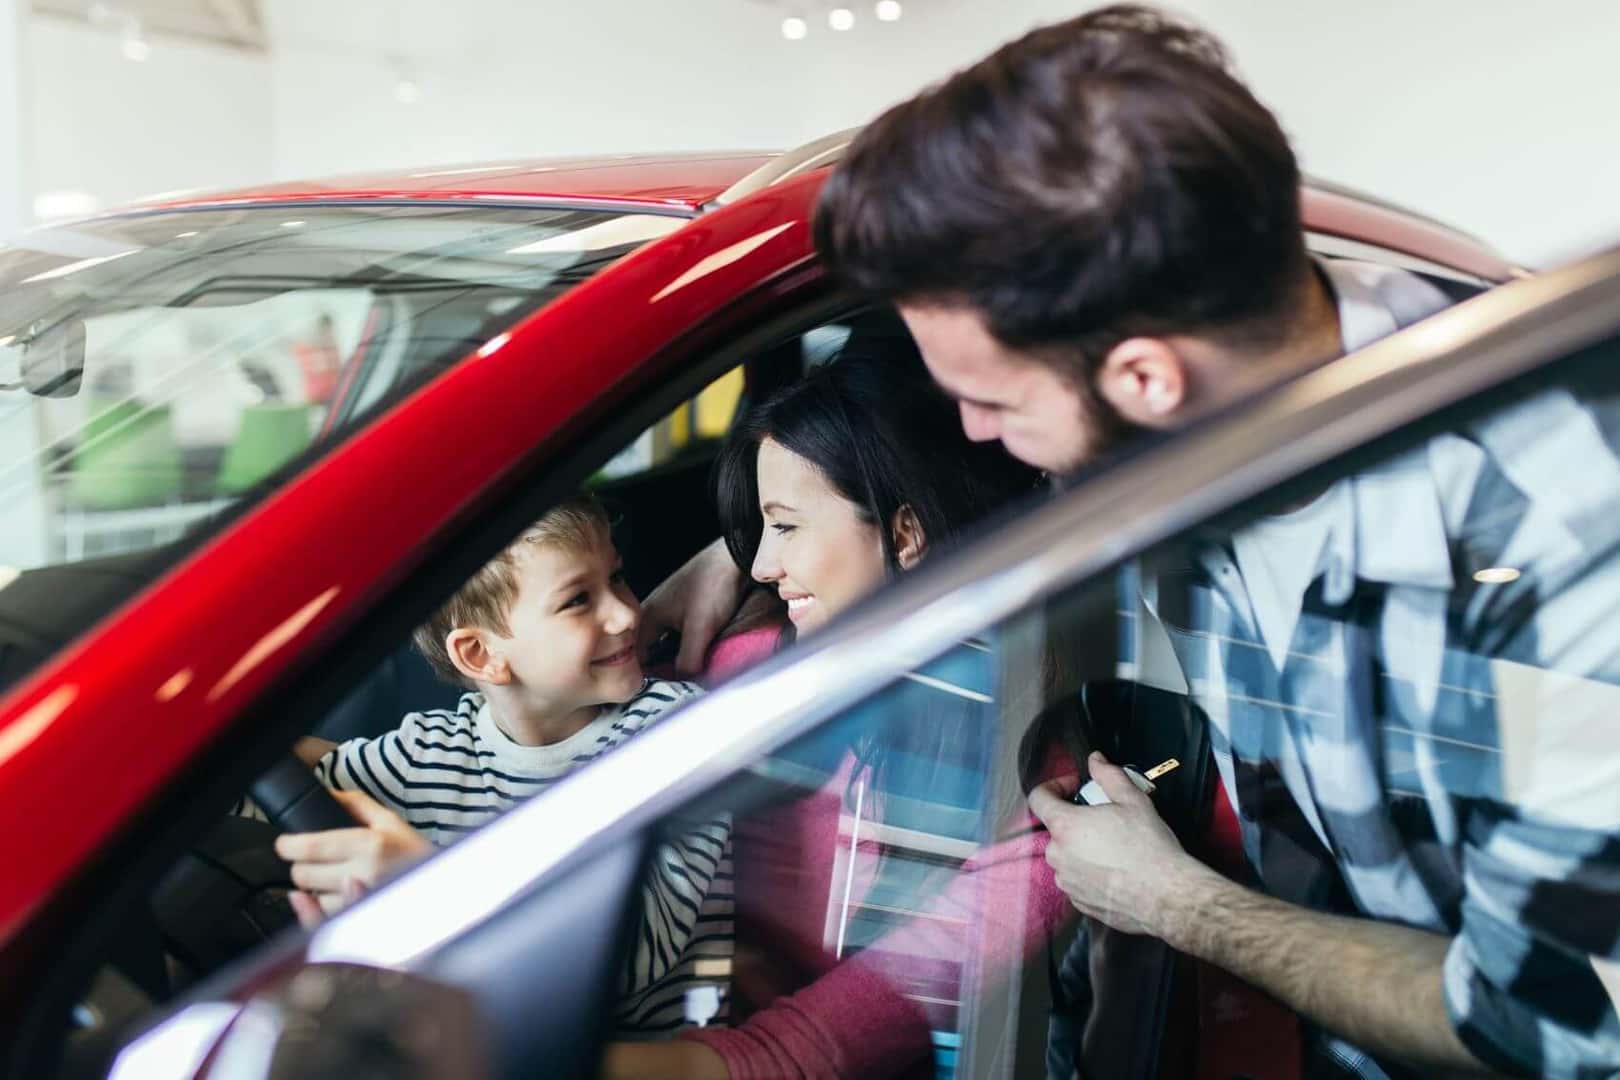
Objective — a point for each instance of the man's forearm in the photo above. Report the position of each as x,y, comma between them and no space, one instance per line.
1376,984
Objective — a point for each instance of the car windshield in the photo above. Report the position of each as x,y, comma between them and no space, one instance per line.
160,368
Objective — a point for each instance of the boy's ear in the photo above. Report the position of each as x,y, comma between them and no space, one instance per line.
910,542
473,657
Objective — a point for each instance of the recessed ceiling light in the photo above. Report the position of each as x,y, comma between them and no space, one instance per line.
1496,575
795,28
888,10
841,18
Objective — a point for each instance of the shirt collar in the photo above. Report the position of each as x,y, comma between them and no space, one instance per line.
1363,315
1362,539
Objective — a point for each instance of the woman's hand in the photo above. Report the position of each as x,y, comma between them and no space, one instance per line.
675,1059
697,601
337,866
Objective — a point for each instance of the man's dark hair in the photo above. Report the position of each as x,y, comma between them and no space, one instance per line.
1097,179
884,436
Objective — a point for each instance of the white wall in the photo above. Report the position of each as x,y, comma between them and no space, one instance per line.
504,79
189,116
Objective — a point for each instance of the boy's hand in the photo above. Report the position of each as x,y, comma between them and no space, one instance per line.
697,601
337,866
310,749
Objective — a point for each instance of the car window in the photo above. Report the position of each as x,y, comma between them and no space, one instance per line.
1384,689
159,368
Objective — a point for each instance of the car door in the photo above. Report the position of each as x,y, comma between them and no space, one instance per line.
935,937
302,593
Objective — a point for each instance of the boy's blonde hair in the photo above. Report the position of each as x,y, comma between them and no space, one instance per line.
578,523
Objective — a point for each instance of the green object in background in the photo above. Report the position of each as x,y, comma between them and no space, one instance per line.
270,436
128,458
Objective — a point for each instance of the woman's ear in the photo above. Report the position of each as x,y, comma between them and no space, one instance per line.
473,657
910,542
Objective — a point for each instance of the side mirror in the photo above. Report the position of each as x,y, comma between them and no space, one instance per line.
53,360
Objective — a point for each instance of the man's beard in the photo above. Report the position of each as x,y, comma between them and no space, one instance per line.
1107,432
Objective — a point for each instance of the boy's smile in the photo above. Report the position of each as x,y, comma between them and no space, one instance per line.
570,641
619,656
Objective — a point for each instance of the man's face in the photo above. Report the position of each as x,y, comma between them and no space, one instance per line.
1039,416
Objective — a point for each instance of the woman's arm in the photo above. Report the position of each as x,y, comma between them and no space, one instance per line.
853,1021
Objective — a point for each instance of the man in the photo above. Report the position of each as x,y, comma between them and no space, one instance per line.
1094,232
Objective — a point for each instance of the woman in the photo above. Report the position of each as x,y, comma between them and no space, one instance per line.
847,478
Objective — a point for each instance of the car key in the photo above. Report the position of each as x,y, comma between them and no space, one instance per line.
1092,794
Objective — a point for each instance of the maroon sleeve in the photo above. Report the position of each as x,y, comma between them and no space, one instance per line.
854,1022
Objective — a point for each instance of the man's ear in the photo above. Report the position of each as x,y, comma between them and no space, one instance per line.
1145,380
470,652
910,542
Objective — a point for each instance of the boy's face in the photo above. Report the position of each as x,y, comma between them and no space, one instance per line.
573,628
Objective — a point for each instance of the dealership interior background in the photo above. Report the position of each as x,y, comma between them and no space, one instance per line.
1471,112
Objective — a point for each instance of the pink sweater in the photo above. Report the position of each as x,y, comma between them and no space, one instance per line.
818,1017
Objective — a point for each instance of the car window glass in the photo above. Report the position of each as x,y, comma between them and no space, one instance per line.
161,366
228,893
1437,698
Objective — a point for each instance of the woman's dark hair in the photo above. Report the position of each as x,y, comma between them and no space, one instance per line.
884,436
1099,178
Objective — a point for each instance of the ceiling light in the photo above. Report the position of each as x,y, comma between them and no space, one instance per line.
888,10
1496,575
794,28
841,18
292,224
55,205
183,235
406,92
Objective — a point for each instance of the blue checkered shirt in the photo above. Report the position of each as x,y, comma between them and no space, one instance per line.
1404,741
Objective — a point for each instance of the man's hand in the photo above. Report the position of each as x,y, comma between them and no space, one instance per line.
1377,984
697,601
337,866
1118,863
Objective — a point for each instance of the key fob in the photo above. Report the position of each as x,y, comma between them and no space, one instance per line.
1092,794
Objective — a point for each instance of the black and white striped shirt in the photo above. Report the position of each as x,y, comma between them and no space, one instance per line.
448,772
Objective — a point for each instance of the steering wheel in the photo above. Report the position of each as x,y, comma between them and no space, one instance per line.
229,892
295,801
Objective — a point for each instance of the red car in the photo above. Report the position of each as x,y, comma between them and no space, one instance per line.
254,438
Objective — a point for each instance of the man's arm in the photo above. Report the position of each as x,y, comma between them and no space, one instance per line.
1376,984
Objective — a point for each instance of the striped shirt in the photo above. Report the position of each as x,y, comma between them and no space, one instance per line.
448,772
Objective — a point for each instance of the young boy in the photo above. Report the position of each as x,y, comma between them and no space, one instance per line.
544,635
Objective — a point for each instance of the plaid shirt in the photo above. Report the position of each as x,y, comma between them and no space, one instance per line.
1402,740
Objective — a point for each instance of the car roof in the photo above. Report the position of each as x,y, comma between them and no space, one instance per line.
659,181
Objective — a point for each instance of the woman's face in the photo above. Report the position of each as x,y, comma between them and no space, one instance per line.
815,551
